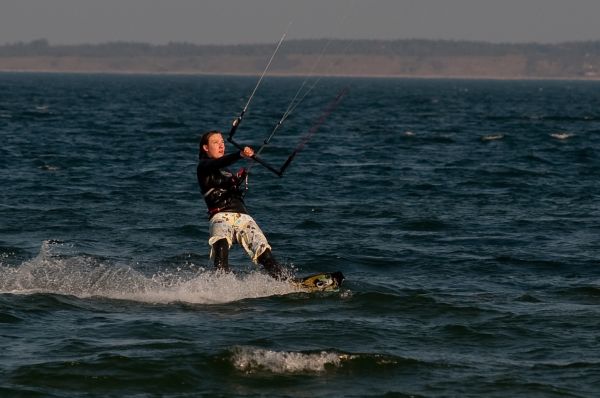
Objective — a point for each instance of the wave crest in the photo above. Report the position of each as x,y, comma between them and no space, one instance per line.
252,360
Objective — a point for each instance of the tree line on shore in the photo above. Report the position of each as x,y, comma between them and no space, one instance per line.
409,47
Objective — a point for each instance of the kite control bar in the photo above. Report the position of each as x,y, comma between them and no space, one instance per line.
332,105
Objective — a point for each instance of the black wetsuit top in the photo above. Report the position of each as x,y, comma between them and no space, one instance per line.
220,187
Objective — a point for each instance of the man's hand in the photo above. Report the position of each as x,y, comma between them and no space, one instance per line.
247,152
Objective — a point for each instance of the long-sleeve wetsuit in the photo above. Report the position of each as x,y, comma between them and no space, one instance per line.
220,187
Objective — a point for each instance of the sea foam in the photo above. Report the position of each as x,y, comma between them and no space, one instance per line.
87,276
252,359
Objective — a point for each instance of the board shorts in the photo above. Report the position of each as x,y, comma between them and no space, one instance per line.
238,228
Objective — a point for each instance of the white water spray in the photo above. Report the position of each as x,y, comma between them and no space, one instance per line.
85,276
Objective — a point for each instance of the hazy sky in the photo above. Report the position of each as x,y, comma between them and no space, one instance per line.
264,21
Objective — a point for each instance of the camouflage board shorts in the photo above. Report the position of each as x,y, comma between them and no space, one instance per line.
238,228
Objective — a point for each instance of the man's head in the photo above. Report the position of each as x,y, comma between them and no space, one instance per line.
212,145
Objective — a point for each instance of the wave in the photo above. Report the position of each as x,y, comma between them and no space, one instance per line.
562,135
9,318
492,137
585,294
88,276
566,364
255,360
249,360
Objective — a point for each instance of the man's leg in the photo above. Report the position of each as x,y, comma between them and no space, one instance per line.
221,253
271,265
221,237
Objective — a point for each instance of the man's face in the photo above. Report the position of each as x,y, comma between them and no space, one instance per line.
216,146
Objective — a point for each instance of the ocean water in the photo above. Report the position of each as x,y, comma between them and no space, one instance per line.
464,215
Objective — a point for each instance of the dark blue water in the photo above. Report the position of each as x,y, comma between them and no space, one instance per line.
464,214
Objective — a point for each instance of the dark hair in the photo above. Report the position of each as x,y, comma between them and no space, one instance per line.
204,141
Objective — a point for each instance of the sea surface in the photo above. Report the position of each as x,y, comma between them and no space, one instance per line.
463,213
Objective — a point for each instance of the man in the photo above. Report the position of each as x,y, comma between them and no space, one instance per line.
228,217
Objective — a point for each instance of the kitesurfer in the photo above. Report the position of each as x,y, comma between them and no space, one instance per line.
228,217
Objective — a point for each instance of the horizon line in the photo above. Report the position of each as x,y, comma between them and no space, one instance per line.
46,42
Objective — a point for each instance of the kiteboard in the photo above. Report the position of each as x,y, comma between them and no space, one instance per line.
321,282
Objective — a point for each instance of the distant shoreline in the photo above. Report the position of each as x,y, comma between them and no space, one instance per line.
358,58
216,74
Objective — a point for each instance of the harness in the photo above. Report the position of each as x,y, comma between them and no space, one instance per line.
237,179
